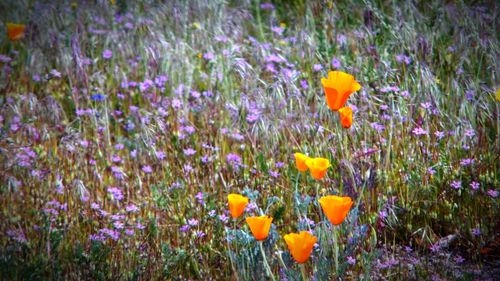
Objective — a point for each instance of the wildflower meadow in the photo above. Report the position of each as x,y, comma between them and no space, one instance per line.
249,140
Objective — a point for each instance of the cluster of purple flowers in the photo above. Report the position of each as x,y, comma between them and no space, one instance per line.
116,192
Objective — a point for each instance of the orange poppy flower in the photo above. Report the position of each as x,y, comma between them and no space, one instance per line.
346,116
237,204
300,161
335,207
338,87
300,245
260,226
318,167
15,31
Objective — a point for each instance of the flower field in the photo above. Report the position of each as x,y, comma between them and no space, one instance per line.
249,140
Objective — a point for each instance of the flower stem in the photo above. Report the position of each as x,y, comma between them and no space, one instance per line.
259,21
266,265
336,249
303,271
229,253
296,202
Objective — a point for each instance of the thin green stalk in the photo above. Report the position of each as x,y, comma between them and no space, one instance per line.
303,271
259,21
266,265
296,193
280,259
335,249
229,253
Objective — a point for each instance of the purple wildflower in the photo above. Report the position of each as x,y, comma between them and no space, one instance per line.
131,208
160,155
188,130
439,134
251,207
466,162
147,169
341,39
304,84
493,193
113,234
199,234
208,56
233,159
267,6
188,168
456,184
133,153
200,197
107,54
116,192
317,67
277,29
419,131
474,185
5,59
147,84
116,159
435,248
336,63
469,95
189,152
274,58
470,133
237,136
274,174
426,105
308,221
223,218
193,222
118,225
97,237
55,73
176,103
377,126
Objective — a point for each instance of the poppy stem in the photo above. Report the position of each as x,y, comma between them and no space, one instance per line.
266,265
229,252
335,249
303,271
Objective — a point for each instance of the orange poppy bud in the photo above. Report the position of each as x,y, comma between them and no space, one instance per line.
335,207
300,161
338,87
318,167
15,31
237,204
345,116
300,245
260,226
